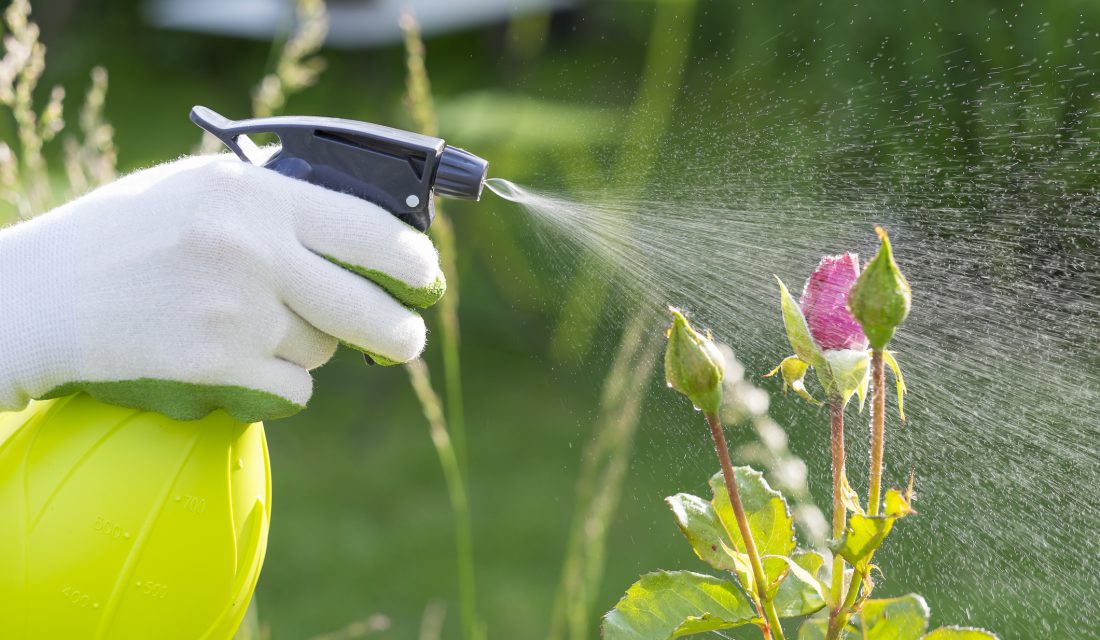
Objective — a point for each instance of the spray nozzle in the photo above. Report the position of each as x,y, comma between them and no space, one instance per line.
397,170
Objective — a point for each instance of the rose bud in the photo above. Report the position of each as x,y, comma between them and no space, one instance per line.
881,297
825,304
693,364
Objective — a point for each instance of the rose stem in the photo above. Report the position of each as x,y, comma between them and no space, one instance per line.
878,430
772,618
878,445
836,434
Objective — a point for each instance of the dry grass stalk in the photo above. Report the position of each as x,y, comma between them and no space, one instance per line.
418,100
456,491
296,66
366,628
421,107
604,464
23,172
24,175
431,623
93,160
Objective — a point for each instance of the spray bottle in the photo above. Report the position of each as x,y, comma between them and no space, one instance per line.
120,524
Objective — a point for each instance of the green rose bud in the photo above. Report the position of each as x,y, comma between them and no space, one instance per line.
880,299
693,364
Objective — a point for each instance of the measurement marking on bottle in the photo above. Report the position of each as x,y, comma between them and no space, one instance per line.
109,528
194,504
152,589
79,598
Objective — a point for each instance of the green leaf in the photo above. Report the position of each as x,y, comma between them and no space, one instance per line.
848,372
849,497
862,537
902,618
960,633
816,627
700,525
861,391
892,362
794,377
810,561
898,504
792,583
798,332
674,604
864,534
769,518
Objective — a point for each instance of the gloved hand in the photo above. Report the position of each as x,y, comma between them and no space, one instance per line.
206,283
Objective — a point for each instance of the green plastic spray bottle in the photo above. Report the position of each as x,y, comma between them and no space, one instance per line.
119,523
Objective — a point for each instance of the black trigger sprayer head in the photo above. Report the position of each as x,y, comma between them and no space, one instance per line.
397,170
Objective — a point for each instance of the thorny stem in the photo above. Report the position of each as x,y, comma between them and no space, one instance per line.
878,430
771,626
874,498
838,621
836,435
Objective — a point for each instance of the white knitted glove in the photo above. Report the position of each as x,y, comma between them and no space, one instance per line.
206,283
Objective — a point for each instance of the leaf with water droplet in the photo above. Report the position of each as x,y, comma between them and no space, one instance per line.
700,525
673,604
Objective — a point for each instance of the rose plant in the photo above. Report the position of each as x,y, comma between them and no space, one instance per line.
839,330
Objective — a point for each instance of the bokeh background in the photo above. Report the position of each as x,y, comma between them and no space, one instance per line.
559,93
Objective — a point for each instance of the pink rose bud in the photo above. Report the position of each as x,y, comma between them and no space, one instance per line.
825,304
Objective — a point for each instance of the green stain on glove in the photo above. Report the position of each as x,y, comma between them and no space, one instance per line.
184,400
417,297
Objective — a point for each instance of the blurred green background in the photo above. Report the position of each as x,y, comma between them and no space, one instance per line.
362,525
